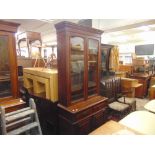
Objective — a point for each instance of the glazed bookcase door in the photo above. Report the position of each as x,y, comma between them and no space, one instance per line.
5,74
8,67
93,50
77,68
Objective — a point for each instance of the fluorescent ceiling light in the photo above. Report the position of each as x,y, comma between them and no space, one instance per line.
121,38
147,36
46,20
144,28
152,26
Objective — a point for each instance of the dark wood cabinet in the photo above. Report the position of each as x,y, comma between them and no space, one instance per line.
79,65
8,61
83,117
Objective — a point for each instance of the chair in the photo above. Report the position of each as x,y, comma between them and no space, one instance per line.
121,95
107,89
119,104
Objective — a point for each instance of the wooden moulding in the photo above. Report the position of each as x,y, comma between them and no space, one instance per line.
8,26
82,105
76,28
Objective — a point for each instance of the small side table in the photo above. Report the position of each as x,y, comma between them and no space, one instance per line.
150,106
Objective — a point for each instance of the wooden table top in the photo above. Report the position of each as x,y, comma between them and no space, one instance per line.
142,121
12,102
114,128
150,106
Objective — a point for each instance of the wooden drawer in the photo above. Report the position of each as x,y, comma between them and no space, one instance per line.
83,127
99,118
99,106
83,114
82,118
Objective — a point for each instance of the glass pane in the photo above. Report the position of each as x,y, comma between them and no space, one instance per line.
77,68
5,80
92,66
104,55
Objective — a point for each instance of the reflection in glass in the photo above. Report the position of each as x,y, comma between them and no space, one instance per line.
77,68
104,55
92,66
5,83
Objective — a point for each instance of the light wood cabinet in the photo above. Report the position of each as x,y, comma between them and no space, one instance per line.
129,84
42,82
142,78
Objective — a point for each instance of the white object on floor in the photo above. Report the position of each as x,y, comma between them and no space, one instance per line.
124,132
150,106
141,121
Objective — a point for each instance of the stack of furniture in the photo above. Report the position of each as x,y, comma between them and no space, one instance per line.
139,65
81,108
42,82
130,84
128,69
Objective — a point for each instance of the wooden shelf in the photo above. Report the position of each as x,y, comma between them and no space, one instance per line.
76,49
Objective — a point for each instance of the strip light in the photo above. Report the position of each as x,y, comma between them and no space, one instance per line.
46,20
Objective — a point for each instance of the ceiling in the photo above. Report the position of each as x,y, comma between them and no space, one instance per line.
44,26
116,31
136,33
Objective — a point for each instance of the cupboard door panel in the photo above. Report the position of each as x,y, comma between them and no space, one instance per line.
5,74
